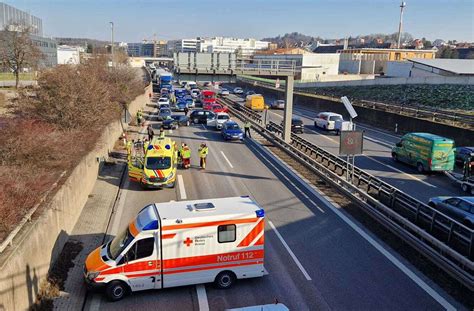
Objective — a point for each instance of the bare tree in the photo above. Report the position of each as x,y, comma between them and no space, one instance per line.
17,50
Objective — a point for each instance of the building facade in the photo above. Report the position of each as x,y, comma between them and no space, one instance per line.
310,66
68,55
243,47
12,16
385,54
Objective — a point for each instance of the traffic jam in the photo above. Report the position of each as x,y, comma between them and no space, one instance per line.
229,231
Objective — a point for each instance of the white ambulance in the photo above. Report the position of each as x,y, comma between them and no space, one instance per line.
182,243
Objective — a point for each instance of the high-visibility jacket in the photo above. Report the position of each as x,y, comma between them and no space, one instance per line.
247,125
139,114
203,151
186,153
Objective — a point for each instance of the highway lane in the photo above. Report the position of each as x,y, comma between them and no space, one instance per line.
340,269
377,158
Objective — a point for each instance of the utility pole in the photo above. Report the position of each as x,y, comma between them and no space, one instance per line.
402,6
112,42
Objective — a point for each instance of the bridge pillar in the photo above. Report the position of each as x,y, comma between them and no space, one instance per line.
288,109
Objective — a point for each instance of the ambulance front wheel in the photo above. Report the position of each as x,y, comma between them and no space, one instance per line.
116,290
225,279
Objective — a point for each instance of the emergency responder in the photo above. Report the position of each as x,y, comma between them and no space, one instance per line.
247,126
180,154
162,132
186,155
468,166
139,117
130,145
150,132
203,151
146,143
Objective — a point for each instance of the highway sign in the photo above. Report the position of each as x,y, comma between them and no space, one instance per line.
349,107
351,143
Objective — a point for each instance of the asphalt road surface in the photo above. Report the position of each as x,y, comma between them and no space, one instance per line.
316,256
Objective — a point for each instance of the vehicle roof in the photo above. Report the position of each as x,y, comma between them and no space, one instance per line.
296,119
330,113
431,136
185,212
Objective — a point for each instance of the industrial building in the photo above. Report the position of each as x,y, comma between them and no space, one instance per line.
385,54
243,47
69,55
419,67
13,18
310,66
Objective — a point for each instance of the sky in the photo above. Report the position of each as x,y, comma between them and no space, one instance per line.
136,20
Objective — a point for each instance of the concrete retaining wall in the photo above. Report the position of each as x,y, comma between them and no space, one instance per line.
24,265
381,119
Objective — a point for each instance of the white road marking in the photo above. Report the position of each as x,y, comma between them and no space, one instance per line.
265,271
401,172
202,298
203,126
298,263
334,208
182,190
379,141
228,162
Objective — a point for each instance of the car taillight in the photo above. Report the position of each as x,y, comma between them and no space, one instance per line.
429,162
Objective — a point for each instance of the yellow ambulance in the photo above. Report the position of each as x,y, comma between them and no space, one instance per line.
156,166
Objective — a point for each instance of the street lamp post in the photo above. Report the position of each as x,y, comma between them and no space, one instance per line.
402,6
112,42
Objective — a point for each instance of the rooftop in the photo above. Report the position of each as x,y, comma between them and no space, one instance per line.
456,66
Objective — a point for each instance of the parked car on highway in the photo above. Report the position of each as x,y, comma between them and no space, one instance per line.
277,104
201,116
238,90
224,92
231,130
219,120
195,93
189,101
458,208
218,108
176,121
428,152
327,120
164,113
297,125
461,154
250,93
163,100
181,105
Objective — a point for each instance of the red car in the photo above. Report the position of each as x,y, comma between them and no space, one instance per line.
207,106
218,108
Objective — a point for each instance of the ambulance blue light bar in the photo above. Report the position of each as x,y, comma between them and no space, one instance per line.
260,213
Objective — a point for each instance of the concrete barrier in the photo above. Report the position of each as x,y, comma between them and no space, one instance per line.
378,118
25,264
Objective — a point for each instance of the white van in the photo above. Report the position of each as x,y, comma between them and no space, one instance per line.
327,120
182,243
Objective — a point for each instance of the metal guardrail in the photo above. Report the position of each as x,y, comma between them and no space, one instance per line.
440,115
443,240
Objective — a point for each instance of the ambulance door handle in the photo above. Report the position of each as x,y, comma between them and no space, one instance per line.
150,263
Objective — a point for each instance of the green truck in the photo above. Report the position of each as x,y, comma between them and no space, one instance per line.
428,152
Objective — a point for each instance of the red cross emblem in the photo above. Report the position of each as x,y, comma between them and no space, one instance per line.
188,241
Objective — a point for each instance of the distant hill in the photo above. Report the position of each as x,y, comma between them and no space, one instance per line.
85,42
294,39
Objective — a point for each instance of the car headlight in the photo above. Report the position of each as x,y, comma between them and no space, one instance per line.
170,176
92,275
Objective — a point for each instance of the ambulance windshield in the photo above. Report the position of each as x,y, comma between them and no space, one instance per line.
119,243
158,163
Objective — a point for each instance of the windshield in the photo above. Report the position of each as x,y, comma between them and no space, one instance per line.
165,111
233,127
163,99
335,118
223,117
158,163
119,243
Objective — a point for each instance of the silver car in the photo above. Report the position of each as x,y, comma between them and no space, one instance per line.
278,104
459,208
